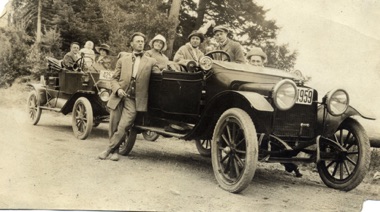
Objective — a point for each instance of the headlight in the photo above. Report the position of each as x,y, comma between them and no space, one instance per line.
284,94
205,63
104,95
337,101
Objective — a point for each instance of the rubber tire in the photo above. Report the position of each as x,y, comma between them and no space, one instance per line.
362,166
129,141
150,137
251,148
87,118
205,152
35,109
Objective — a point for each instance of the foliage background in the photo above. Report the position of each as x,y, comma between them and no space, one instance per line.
112,22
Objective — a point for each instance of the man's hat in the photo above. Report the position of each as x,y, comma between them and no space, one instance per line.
256,51
161,38
221,28
198,34
104,47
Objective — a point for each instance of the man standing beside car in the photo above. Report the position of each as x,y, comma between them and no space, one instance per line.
71,57
129,93
234,49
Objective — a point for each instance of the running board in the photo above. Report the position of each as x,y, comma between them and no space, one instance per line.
51,109
160,131
286,160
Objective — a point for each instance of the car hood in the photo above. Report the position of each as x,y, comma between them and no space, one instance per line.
245,77
255,70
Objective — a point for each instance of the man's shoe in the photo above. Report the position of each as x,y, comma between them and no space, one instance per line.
114,156
104,154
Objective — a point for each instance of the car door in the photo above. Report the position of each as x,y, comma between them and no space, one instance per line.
180,92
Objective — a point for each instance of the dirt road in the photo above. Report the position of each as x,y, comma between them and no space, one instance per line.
46,167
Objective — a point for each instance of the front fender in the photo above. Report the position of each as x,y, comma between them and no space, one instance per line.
253,103
41,92
257,101
328,124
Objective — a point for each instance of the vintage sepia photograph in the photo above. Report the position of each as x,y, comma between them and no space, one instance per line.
190,105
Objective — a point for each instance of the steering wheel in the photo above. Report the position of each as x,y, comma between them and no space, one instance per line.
219,55
80,63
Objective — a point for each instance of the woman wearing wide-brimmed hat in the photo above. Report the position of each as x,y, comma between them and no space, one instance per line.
158,46
103,58
190,51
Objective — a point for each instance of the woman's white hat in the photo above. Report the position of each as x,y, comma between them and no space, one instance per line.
161,38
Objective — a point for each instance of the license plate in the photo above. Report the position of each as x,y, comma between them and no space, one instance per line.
305,96
105,75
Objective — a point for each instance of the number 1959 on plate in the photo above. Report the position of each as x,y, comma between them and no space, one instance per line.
305,96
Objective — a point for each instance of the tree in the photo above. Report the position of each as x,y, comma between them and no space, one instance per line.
174,18
248,22
15,45
279,56
126,17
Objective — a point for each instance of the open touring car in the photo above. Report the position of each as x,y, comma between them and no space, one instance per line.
242,114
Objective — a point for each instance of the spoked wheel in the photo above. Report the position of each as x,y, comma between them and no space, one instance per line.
234,150
82,120
219,55
128,142
346,169
204,147
34,110
150,136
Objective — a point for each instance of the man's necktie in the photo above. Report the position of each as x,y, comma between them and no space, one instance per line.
139,54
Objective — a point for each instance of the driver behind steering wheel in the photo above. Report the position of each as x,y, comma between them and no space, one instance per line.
71,57
190,51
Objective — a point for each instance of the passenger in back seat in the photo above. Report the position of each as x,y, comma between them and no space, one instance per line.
190,51
158,46
71,57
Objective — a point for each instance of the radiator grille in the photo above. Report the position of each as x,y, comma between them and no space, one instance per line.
288,123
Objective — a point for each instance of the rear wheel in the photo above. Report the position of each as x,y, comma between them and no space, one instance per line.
346,170
34,110
204,147
82,120
129,140
150,136
234,150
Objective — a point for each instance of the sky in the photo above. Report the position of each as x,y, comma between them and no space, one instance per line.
338,41
338,44
2,4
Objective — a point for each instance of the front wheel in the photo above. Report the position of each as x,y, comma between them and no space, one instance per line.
345,170
34,110
129,140
234,150
82,120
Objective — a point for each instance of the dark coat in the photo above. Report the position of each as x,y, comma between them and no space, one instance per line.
234,49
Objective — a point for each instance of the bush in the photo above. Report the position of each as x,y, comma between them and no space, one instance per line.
15,47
